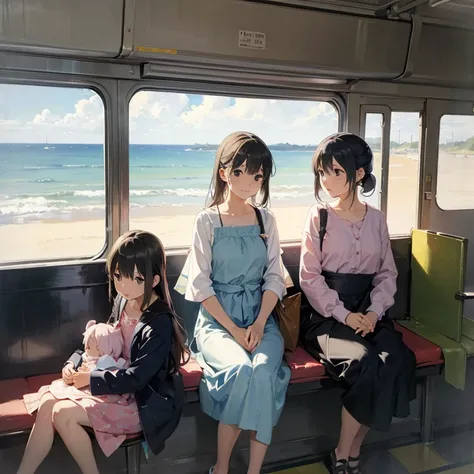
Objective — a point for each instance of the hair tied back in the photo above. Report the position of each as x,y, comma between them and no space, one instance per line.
368,183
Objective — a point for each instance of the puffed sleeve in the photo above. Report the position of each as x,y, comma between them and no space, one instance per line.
199,286
322,298
382,296
273,278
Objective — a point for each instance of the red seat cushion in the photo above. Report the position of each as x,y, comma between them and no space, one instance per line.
192,373
191,376
303,367
13,414
14,417
425,351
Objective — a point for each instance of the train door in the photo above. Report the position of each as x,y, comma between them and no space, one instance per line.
392,129
448,184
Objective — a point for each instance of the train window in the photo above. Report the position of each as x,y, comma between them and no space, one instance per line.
456,162
52,196
403,173
373,136
173,141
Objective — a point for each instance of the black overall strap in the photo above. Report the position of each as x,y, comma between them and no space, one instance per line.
220,217
323,220
260,224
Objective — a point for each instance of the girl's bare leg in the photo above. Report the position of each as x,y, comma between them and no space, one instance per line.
349,429
69,419
41,437
257,454
227,436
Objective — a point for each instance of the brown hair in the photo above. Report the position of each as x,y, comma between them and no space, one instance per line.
235,150
145,251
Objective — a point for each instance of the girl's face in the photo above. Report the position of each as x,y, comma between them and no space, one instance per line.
132,288
241,183
335,183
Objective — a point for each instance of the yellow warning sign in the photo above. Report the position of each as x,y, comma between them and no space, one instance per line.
149,49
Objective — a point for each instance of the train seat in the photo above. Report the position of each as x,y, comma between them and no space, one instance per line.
303,369
427,353
13,415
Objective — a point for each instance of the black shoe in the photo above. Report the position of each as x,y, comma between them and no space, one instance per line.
334,465
355,468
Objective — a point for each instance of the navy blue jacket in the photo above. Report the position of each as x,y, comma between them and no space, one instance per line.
159,395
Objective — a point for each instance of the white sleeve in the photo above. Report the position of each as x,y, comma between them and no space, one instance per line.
273,277
199,285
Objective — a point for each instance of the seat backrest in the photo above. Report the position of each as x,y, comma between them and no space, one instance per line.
438,267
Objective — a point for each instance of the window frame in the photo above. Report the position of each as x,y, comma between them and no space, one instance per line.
101,88
373,104
438,175
338,101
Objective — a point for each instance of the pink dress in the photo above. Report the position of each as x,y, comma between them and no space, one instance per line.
112,417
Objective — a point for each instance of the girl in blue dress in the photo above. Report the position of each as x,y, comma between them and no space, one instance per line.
236,272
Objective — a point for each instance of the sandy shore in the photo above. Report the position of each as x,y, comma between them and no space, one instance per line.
68,239
86,238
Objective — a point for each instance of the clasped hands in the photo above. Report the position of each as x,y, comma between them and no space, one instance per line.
251,337
80,378
362,324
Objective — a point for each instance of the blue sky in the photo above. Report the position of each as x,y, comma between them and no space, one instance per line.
34,114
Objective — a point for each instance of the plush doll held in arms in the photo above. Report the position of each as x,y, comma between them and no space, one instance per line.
147,394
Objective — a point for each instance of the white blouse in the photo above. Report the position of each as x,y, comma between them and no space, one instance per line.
198,266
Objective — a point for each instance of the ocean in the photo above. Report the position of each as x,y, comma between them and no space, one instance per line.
66,181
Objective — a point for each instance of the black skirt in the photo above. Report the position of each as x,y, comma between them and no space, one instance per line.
377,371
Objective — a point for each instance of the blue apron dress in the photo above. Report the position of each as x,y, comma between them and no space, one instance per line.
238,387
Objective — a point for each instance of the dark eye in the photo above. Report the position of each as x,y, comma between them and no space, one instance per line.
237,173
139,280
117,276
337,172
258,177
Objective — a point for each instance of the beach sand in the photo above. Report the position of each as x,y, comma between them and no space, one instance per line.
45,239
173,225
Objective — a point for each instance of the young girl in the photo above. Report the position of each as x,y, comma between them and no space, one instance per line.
236,272
348,274
153,344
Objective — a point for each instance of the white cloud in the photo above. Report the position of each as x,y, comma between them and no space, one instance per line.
313,112
213,117
84,124
157,105
161,117
166,117
250,109
211,108
88,115
45,117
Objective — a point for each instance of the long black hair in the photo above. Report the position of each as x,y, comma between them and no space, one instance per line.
235,150
352,153
145,251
